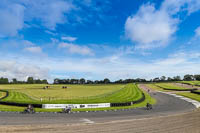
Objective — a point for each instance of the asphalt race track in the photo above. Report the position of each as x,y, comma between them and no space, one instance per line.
167,106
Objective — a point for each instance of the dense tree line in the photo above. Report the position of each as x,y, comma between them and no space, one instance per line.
166,79
121,81
187,77
105,81
80,81
4,80
30,80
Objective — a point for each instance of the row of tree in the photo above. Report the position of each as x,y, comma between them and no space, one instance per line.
192,77
80,81
30,80
4,80
105,81
187,77
121,81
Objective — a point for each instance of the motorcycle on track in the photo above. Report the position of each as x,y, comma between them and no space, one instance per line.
67,110
149,106
29,110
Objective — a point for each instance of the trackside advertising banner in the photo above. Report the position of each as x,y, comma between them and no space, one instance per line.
58,106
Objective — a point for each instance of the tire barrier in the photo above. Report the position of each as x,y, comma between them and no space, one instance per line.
179,89
186,83
20,104
128,103
16,104
120,104
195,92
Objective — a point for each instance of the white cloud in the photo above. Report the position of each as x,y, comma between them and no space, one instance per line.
27,43
113,67
14,13
50,32
35,49
180,63
76,49
54,40
69,38
197,32
175,6
150,27
11,19
12,69
49,12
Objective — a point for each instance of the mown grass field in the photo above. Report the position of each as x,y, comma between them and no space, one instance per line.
148,99
170,86
197,90
36,94
109,94
190,95
154,87
2,94
117,93
36,91
191,82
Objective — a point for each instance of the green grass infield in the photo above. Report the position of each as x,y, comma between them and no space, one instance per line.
129,92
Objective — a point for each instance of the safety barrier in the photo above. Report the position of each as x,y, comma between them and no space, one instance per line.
179,89
58,106
195,92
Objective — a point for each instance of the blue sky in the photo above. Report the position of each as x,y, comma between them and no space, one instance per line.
96,39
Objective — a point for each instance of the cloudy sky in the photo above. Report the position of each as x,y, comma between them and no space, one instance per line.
95,39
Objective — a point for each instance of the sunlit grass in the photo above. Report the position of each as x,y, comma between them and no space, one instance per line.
130,92
170,86
190,95
191,82
148,99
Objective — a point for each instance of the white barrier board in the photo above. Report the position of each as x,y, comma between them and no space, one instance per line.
60,106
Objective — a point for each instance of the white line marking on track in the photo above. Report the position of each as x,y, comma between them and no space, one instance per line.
194,102
87,121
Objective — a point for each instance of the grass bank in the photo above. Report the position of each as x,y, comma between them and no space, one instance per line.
130,93
171,86
190,95
190,82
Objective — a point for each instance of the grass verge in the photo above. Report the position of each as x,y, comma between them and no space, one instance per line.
190,95
2,94
190,82
129,93
156,88
148,99
171,86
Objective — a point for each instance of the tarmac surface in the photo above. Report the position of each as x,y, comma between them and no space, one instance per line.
166,105
167,109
